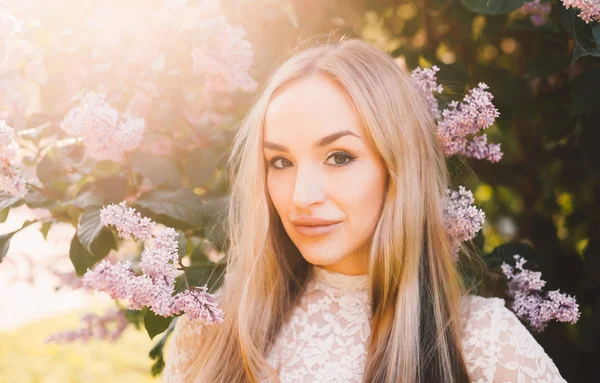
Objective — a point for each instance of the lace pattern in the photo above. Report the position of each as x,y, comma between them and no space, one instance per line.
326,338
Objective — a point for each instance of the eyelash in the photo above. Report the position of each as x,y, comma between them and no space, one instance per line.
348,156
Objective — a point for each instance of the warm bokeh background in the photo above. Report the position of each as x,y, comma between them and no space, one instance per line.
543,70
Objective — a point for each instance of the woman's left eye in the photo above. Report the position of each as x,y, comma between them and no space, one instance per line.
341,156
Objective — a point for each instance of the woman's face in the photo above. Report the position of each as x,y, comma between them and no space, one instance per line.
321,167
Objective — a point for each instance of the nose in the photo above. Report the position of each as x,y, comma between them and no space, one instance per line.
309,187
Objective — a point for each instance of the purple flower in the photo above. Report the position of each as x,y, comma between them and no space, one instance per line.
462,220
94,326
97,123
10,179
460,120
426,81
224,57
590,9
537,11
476,112
127,221
110,278
154,288
525,289
198,304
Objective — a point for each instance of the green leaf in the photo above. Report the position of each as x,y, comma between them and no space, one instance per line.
45,228
158,170
596,34
89,227
492,7
107,168
200,166
157,351
86,199
94,237
182,205
155,324
81,258
5,239
5,244
7,200
4,214
113,188
586,38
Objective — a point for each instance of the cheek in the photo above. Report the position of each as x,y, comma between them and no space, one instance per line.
363,198
277,191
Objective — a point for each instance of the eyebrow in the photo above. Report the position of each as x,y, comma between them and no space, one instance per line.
320,143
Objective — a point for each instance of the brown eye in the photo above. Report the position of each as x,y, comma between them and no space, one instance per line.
274,161
341,158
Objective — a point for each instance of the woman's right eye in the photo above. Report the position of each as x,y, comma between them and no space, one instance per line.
274,160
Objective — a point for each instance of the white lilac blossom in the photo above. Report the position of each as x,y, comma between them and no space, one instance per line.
474,113
590,9
525,289
109,326
462,220
104,137
10,179
426,80
537,11
154,288
224,56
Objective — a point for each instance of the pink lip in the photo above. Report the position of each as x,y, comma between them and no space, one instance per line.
316,231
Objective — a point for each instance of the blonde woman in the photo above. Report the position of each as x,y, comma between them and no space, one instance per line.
340,268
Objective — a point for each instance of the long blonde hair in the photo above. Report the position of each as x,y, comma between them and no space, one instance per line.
415,286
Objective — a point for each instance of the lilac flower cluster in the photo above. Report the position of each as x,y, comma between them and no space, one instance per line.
97,123
426,80
155,286
224,57
460,120
537,12
528,303
94,326
462,220
476,112
590,9
10,179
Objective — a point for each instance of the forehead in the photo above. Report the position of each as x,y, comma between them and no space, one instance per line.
311,108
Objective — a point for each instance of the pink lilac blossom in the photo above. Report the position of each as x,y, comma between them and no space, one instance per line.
462,220
224,57
109,326
426,81
537,11
476,112
155,286
590,9
161,258
97,123
10,179
127,221
199,304
525,289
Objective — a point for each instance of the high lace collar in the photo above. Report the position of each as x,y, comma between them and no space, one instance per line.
343,282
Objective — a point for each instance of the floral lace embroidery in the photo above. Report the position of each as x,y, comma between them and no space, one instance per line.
326,338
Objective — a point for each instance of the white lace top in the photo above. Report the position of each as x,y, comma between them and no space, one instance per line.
325,341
